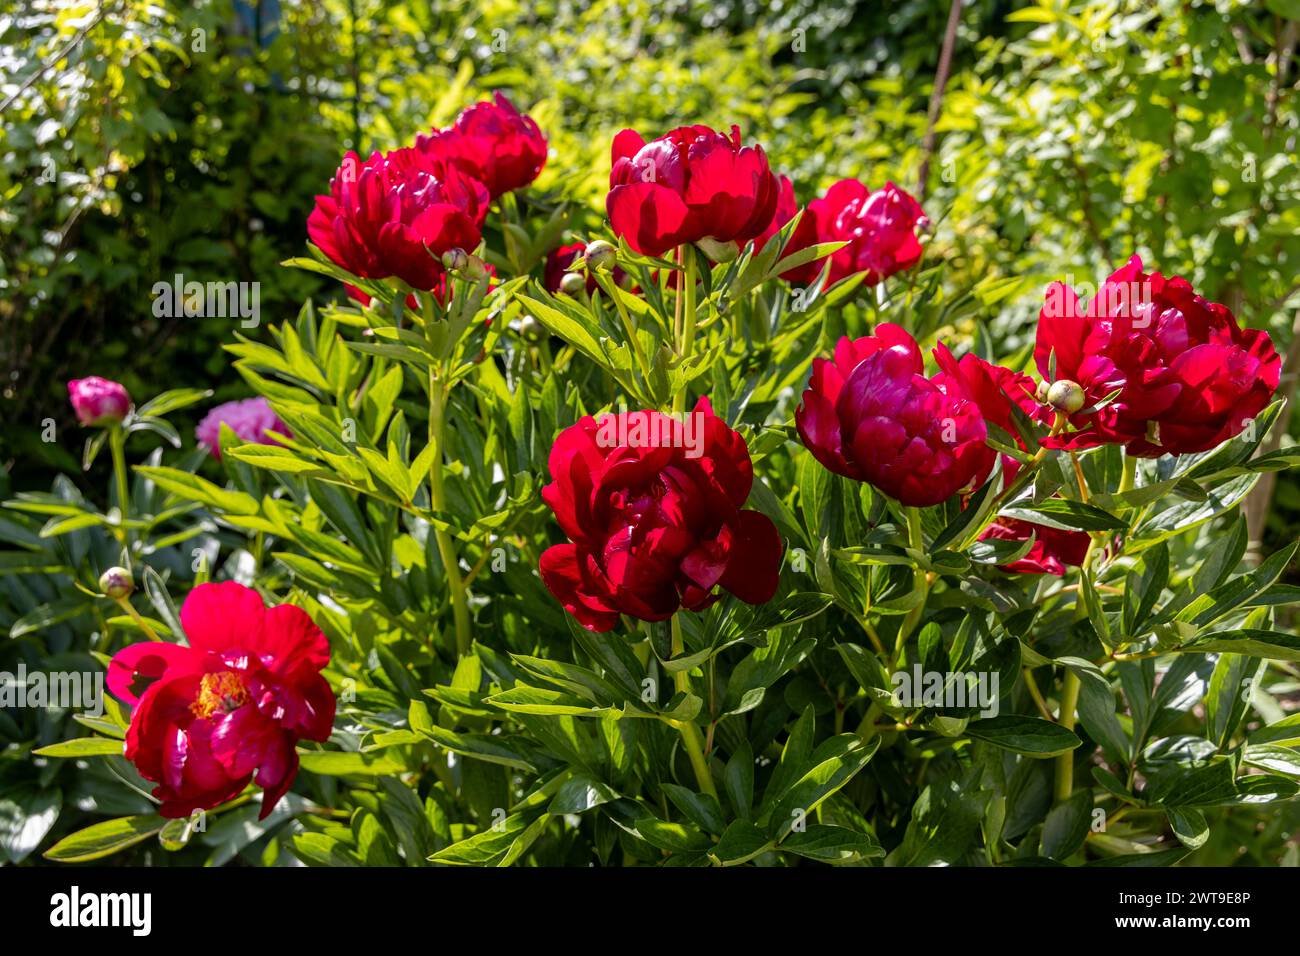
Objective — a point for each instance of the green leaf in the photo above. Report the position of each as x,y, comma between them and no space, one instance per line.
702,809
1067,825
579,794
1068,515
740,843
832,844
193,488
341,763
1029,736
1189,826
835,763
103,839
82,747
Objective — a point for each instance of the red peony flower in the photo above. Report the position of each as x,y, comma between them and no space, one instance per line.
207,717
654,509
396,214
98,401
491,142
1188,376
872,415
1053,550
691,184
880,229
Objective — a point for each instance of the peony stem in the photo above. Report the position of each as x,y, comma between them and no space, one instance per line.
140,622
1130,474
438,501
1065,762
685,318
690,733
920,583
117,446
628,327
1070,684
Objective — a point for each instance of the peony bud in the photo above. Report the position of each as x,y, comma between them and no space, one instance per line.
117,583
98,401
475,267
1040,393
531,329
572,283
1065,396
455,260
718,251
601,255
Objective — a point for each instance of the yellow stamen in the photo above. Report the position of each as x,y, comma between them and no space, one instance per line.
220,692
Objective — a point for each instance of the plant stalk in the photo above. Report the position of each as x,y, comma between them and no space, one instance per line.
691,739
438,501
117,446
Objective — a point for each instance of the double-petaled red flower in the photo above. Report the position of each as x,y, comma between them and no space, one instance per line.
880,228
1053,550
491,142
1187,376
396,214
872,415
206,718
690,185
653,507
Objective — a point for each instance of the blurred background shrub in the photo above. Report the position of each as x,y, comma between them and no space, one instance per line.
141,139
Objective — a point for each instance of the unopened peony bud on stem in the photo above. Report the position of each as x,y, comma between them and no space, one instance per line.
98,401
531,329
117,583
1065,396
600,255
455,260
572,283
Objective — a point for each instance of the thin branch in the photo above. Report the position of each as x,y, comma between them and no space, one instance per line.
936,96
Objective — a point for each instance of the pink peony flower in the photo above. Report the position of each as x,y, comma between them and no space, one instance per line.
250,419
98,401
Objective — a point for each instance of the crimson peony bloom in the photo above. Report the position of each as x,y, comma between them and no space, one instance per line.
1053,550
1188,376
872,415
98,401
249,418
491,142
654,509
692,184
235,702
880,228
396,214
